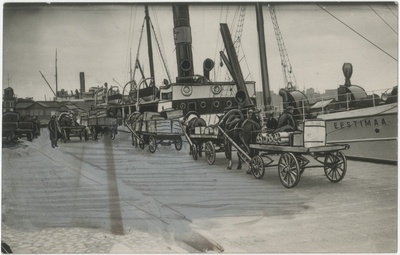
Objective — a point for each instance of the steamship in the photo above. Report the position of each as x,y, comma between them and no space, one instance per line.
367,123
190,92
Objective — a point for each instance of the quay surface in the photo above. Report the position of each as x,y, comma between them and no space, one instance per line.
109,197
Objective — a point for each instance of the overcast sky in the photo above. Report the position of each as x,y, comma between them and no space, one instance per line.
97,38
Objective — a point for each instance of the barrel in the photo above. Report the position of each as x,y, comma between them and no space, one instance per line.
314,133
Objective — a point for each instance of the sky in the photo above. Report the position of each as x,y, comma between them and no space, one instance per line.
100,39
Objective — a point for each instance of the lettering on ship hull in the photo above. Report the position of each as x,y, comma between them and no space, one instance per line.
361,123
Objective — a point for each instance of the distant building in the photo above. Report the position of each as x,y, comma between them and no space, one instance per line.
9,100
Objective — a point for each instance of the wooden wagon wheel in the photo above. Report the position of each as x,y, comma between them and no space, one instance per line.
289,170
141,143
64,136
94,134
335,166
10,136
112,135
152,144
29,136
257,166
210,152
86,134
194,152
178,144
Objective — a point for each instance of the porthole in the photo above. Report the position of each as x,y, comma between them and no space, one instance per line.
216,104
203,104
186,90
229,103
182,106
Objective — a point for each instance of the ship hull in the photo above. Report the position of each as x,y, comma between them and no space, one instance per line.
371,132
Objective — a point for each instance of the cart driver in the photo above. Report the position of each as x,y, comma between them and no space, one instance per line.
286,121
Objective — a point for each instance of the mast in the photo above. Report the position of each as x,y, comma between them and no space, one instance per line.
56,77
149,45
263,56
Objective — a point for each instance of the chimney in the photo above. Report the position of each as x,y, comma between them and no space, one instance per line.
82,81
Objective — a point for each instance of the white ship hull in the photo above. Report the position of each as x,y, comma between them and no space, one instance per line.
370,132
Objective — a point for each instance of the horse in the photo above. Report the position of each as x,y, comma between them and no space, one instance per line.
240,129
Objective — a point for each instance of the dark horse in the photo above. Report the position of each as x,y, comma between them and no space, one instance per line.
241,129
196,121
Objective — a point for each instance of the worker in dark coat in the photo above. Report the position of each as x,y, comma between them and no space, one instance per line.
53,128
272,123
286,121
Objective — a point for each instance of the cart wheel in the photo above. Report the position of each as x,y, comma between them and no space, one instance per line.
210,152
302,162
94,134
152,144
289,170
257,166
86,135
134,141
335,166
64,136
178,144
10,136
29,136
141,144
194,152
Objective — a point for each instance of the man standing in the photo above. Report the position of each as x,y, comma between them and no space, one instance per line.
53,128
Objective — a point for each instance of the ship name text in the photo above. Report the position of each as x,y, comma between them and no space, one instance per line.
361,123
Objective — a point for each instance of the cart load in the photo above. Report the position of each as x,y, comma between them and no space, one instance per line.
14,126
103,121
293,149
70,127
153,128
203,138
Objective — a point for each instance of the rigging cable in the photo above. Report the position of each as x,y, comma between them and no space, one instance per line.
138,50
391,11
159,50
382,19
356,32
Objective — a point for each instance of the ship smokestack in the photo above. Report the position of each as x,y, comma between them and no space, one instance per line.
208,65
82,81
183,40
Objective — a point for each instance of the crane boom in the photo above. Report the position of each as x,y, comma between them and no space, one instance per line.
290,79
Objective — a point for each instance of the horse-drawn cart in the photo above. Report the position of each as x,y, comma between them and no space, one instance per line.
153,128
102,121
203,138
292,149
69,127
14,127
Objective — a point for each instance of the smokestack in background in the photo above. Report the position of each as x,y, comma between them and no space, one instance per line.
82,81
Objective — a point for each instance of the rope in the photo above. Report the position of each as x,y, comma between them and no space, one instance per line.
159,51
138,50
356,32
382,19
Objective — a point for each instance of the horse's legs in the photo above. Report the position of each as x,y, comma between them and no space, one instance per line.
240,162
230,163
